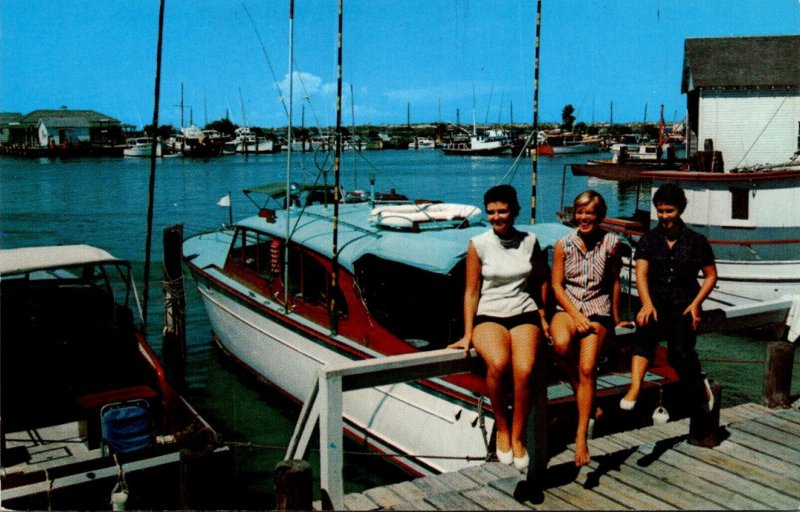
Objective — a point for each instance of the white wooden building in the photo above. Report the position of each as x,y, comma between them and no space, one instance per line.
743,93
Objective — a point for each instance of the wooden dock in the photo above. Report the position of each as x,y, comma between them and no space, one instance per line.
756,467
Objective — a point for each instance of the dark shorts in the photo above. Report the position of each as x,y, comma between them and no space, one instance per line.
509,322
605,321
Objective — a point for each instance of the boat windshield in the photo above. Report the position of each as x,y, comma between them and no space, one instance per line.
424,308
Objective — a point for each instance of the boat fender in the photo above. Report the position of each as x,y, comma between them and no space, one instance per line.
275,257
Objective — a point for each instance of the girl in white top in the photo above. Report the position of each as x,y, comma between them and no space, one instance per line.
502,318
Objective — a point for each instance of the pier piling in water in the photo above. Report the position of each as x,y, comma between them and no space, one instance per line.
174,341
293,485
778,374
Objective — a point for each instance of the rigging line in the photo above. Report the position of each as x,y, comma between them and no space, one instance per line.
247,444
762,132
269,62
512,170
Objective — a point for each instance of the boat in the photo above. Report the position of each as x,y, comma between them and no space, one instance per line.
245,141
422,143
87,407
564,143
140,147
492,143
400,269
193,142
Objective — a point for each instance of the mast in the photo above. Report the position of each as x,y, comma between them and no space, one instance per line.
535,151
152,182
288,198
336,179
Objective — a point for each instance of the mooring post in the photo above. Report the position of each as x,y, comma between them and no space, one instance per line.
778,374
704,426
173,347
293,484
537,423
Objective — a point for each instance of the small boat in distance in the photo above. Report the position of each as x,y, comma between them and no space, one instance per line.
86,404
422,143
141,147
557,142
493,143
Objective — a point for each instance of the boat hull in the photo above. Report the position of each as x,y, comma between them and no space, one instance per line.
287,352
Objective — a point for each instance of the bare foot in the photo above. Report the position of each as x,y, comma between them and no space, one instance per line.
519,449
581,453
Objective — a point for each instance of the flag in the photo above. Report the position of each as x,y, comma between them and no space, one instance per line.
225,202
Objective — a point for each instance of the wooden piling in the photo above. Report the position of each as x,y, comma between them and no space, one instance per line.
173,347
293,484
704,426
537,423
778,374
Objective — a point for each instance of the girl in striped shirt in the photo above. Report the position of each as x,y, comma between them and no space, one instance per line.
586,286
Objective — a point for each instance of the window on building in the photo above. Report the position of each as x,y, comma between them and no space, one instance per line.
740,203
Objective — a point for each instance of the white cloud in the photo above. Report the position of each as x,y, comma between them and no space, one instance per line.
305,84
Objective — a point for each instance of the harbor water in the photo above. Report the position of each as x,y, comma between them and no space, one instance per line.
103,202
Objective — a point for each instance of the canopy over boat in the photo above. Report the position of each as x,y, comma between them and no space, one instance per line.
29,259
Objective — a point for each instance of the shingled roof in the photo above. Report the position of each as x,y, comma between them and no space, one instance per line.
89,117
741,63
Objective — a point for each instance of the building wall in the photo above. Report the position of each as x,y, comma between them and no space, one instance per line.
750,127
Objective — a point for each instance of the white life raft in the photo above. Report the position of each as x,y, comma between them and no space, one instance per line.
410,216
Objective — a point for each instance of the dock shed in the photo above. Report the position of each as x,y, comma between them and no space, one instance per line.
42,128
743,93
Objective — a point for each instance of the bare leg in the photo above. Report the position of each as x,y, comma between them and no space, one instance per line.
638,369
493,343
585,393
524,344
562,332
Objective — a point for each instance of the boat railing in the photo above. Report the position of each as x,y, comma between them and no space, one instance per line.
324,404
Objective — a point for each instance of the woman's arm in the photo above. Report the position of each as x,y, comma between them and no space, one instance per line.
648,311
709,280
540,272
472,293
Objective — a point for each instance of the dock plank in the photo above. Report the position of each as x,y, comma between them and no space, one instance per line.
761,459
744,469
358,501
384,497
491,498
768,433
621,491
662,489
583,499
757,443
453,500
700,468
721,497
781,423
408,491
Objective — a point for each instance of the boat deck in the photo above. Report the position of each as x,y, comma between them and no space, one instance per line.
756,467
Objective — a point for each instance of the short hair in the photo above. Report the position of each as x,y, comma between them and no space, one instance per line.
504,194
672,194
591,196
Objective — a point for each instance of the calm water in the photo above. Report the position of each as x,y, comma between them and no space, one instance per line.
103,202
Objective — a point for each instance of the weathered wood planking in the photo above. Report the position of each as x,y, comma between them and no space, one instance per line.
757,466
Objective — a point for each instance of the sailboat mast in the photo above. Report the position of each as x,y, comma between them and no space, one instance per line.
152,183
336,179
535,151
288,198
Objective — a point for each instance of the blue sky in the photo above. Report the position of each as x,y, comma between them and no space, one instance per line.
419,57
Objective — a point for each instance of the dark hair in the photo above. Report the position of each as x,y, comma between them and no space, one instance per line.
590,196
672,194
504,194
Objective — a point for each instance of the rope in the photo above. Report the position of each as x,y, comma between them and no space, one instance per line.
469,458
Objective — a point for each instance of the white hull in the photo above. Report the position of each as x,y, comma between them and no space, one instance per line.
252,147
391,418
141,150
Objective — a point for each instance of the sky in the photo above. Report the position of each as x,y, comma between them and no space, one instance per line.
415,61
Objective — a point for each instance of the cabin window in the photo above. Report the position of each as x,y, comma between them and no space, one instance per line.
740,203
423,308
308,281
250,250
